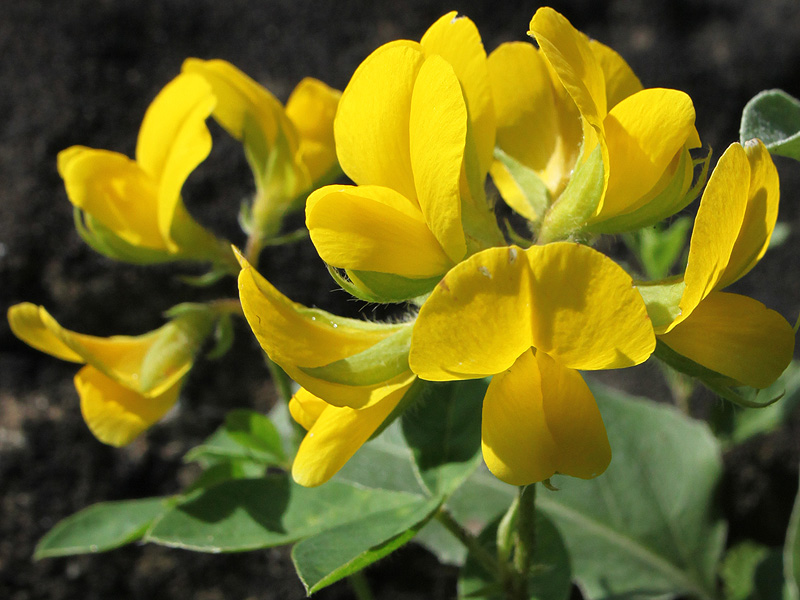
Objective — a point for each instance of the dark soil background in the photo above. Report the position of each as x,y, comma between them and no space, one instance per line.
84,71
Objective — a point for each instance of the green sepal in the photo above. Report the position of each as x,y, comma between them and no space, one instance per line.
577,203
104,241
721,385
662,299
773,116
529,183
663,205
223,337
380,362
215,274
383,288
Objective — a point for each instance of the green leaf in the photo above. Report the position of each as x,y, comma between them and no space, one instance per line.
659,249
773,116
791,554
550,577
101,527
237,444
383,463
736,424
329,556
647,527
247,514
255,431
444,434
225,470
751,571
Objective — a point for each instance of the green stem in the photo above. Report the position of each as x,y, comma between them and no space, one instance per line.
280,379
289,238
525,542
228,306
470,542
360,586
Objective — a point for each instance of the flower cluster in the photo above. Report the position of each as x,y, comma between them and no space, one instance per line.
575,146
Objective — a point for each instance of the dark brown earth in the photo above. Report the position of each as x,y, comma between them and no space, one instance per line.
83,72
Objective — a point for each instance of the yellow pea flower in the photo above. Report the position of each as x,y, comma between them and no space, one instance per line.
128,383
735,336
354,373
132,210
290,149
415,132
531,318
573,112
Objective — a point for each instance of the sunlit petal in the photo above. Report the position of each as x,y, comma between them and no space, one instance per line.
372,124
115,414
336,434
306,408
373,228
736,336
760,216
457,40
438,130
621,81
311,108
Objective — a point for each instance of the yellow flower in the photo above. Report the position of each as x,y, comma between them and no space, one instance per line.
290,150
132,210
415,132
573,112
530,318
353,373
127,383
735,336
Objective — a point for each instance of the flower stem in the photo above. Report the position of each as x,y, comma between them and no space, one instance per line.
280,379
470,542
360,586
515,579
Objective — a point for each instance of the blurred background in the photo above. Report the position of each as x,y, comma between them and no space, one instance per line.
84,71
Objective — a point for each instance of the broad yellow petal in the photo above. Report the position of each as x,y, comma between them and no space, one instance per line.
114,190
568,300
372,123
438,131
516,441
578,68
736,336
173,140
306,408
760,216
311,108
26,323
336,434
457,40
528,126
620,79
574,421
373,228
644,133
115,414
716,228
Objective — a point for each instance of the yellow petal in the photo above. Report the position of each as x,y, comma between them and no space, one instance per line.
516,442
716,228
114,190
438,130
311,108
173,140
644,133
373,228
736,336
620,79
528,124
337,434
457,40
115,414
760,216
26,323
568,300
371,125
574,421
578,68
295,336
306,408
